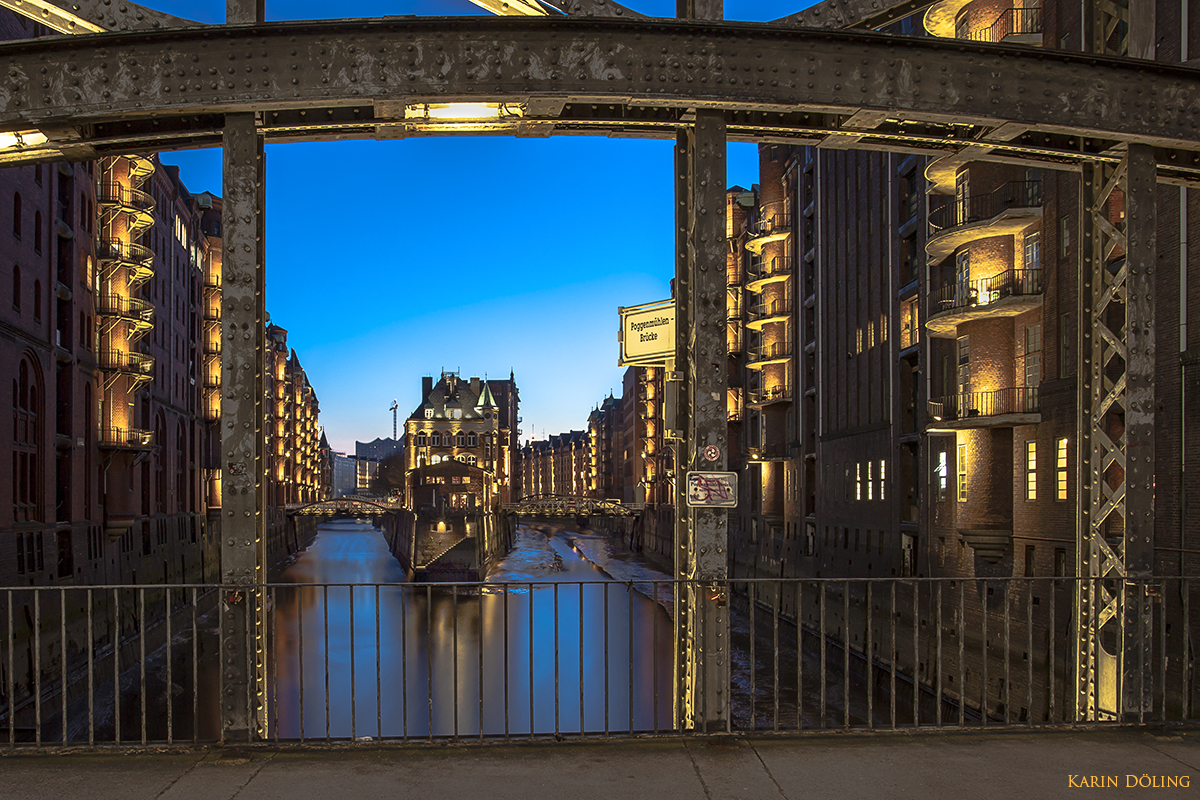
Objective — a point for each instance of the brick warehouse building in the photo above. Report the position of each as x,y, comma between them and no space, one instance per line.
914,409
111,344
471,420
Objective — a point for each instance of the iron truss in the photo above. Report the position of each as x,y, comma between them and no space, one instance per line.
558,505
154,90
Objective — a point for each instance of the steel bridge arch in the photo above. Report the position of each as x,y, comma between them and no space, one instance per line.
567,505
108,93
352,500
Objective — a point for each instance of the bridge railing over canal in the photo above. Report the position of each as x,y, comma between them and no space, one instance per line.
404,662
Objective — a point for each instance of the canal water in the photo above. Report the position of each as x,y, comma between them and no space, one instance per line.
551,645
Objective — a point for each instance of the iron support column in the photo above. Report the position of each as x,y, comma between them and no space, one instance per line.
1141,253
702,533
1115,466
242,443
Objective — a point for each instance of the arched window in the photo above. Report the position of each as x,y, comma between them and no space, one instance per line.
420,440
17,215
472,440
435,459
461,439
435,439
472,460
26,443
37,231
16,288
37,300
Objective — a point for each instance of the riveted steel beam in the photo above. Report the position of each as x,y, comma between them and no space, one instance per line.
91,16
594,8
85,81
243,553
245,12
701,534
866,14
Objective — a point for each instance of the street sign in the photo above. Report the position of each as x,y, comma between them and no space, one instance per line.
712,489
647,335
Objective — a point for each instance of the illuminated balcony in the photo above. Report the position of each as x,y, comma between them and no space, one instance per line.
135,311
1008,294
126,438
1014,26
773,224
766,313
1001,408
762,273
140,167
763,397
119,198
773,451
767,354
126,363
138,259
1005,212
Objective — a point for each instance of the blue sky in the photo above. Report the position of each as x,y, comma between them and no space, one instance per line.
387,261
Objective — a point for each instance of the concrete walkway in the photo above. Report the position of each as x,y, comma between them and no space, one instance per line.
990,765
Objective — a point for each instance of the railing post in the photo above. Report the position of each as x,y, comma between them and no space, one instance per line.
702,614
242,431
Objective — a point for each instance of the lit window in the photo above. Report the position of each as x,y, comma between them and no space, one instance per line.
1033,250
962,473
882,477
1061,492
1031,470
943,472
457,413
429,413
858,481
870,481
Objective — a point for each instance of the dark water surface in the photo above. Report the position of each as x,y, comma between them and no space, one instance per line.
535,650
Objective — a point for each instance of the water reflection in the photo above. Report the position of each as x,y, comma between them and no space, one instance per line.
532,652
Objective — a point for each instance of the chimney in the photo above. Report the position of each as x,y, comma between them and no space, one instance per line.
426,387
475,386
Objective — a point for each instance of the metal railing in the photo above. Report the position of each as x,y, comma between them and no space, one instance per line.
126,253
985,291
966,405
112,305
775,308
113,193
772,218
536,660
771,395
126,437
981,207
123,361
1010,22
769,352
760,268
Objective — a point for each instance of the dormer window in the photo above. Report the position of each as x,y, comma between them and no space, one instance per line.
429,413
456,413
